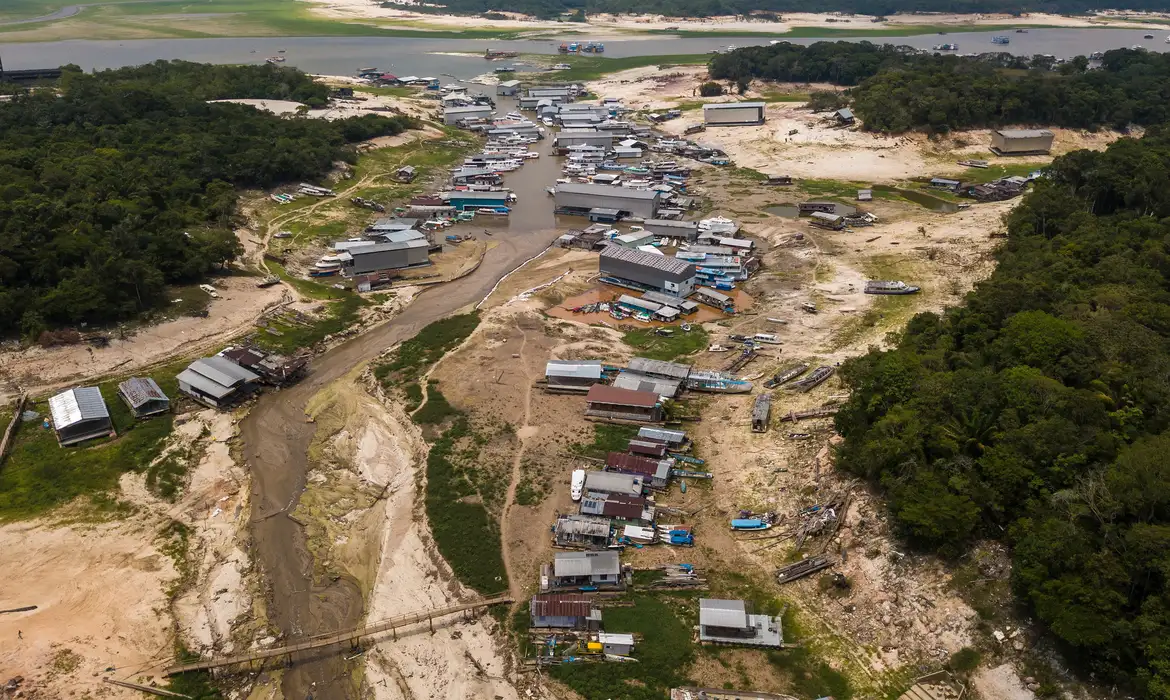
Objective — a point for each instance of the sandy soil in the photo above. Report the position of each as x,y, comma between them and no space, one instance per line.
102,587
1001,683
602,26
240,302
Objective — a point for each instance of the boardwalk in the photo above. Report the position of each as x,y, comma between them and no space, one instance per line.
337,638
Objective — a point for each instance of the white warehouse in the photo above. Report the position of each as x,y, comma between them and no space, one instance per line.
733,114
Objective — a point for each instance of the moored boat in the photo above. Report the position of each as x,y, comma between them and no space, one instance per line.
889,287
786,376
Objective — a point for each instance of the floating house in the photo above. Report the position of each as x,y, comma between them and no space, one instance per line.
647,272
586,530
144,397
623,404
655,472
580,198
217,382
587,569
598,484
574,611
728,622
733,114
80,414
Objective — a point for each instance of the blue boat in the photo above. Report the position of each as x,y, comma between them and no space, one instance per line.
749,524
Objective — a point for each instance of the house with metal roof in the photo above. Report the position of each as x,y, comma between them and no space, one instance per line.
733,113
636,381
272,368
453,115
217,382
672,438
572,375
686,230
602,568
684,306
598,484
844,116
80,414
659,368
655,472
564,611
623,404
579,198
728,622
646,271
710,297
646,448
586,530
616,644
144,397
1021,142
612,505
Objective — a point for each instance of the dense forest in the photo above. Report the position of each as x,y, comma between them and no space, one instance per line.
711,8
1038,412
898,89
123,182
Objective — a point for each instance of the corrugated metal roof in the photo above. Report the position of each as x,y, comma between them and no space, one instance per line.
619,461
668,223
1023,133
468,110
664,263
139,390
588,188
586,563
649,447
635,381
203,384
612,638
77,405
712,294
733,105
583,525
390,245
223,370
660,368
600,393
671,437
580,369
560,605
639,303
722,613
612,482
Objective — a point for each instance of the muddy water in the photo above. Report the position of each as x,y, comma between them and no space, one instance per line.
276,439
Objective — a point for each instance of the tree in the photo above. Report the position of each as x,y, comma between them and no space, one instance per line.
710,89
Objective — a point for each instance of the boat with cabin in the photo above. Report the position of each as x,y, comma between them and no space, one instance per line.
750,524
786,376
818,377
889,287
945,47
1001,40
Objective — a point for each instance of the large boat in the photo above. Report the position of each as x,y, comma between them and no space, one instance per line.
946,47
577,486
717,382
1002,40
785,376
889,287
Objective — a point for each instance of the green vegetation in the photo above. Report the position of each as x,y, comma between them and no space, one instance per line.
411,360
40,475
296,335
606,438
1036,413
898,91
466,535
650,344
123,183
437,409
195,684
663,653
965,659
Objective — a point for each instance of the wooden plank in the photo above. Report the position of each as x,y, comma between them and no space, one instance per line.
146,689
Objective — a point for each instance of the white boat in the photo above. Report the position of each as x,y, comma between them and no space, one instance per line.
578,484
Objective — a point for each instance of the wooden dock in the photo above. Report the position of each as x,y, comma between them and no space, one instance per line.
350,637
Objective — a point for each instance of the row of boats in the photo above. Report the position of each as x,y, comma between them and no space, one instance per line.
582,47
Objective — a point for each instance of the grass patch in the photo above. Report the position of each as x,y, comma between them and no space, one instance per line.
310,289
832,188
437,409
40,475
414,356
194,684
606,438
338,316
666,347
467,537
664,653
778,96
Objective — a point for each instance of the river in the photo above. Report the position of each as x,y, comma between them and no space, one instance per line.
276,439
417,56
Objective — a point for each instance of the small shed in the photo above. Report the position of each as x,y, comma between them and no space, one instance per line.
508,88
564,611
572,375
865,195
616,644
830,221
844,116
144,397
80,414
761,412
944,183
405,174
623,404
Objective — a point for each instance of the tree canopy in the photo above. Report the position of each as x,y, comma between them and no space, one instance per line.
123,182
1038,412
899,89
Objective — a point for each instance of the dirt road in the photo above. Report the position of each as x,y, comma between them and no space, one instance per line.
276,439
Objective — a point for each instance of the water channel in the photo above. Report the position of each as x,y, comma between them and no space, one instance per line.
421,56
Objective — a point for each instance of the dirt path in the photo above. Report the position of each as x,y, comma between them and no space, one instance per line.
524,433
276,439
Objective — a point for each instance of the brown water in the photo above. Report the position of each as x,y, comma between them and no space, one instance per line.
276,440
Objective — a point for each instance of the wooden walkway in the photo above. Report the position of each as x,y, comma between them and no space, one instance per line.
347,636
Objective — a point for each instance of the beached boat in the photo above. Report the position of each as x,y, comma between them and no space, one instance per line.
786,376
577,486
819,375
750,524
889,287
717,382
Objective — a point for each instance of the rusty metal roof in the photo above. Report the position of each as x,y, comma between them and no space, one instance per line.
599,393
560,605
